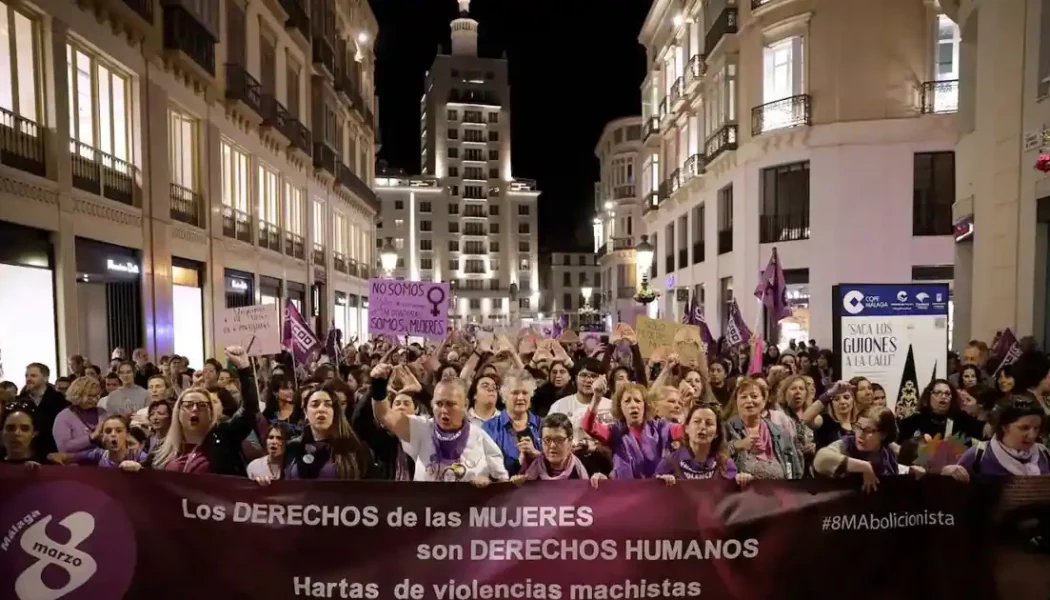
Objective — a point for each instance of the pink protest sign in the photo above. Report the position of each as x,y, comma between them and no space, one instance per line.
418,308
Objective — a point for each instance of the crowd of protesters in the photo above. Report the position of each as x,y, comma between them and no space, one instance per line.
493,409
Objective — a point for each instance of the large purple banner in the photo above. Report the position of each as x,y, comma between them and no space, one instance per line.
99,534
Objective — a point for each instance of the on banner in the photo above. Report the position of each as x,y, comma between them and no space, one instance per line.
416,308
101,534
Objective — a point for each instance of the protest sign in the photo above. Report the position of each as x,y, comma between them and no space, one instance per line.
653,333
891,334
255,328
417,308
94,534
